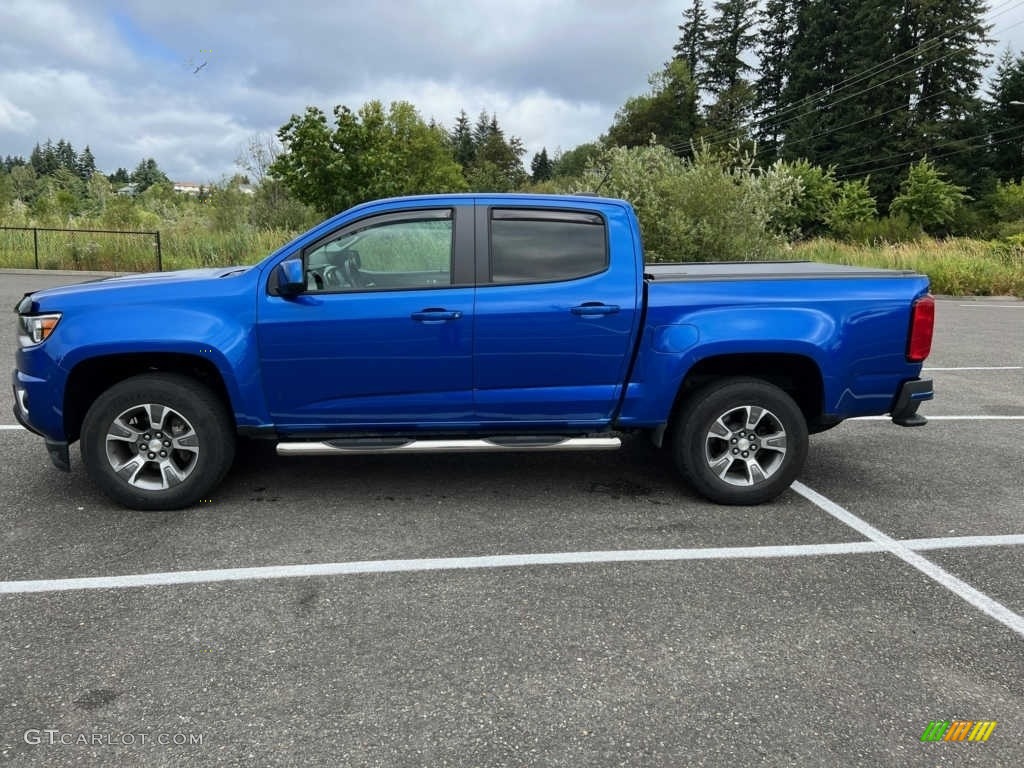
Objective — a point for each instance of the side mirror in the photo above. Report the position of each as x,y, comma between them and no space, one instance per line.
290,278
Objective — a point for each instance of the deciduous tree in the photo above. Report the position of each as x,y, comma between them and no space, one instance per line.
367,154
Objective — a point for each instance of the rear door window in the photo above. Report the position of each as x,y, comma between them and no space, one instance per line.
532,246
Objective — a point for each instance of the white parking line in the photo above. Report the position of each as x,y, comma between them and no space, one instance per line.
957,586
977,368
943,418
11,426
993,306
492,561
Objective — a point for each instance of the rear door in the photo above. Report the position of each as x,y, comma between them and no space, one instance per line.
556,313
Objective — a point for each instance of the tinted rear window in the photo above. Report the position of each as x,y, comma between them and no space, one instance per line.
544,246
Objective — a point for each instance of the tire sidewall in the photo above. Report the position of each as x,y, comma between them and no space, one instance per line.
188,397
701,410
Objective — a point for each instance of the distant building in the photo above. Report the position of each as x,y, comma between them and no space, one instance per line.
188,187
128,190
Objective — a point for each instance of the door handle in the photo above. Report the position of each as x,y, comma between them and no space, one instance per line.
435,315
594,308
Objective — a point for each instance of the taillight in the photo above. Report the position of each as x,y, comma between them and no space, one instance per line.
922,324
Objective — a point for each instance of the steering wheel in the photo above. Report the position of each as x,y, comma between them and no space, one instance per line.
334,277
350,269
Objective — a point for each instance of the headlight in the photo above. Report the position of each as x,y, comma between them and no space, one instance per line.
35,329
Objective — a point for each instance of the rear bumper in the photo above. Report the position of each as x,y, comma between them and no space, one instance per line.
911,395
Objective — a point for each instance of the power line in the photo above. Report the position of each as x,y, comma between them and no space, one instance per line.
901,108
910,153
854,79
943,156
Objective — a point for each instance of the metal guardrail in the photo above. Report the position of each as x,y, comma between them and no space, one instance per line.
36,230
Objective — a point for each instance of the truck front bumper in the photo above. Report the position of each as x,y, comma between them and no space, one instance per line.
911,395
57,449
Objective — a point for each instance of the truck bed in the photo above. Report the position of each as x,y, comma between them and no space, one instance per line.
762,270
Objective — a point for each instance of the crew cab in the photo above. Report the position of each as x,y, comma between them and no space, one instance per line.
467,323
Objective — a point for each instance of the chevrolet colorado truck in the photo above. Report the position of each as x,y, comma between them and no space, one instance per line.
467,323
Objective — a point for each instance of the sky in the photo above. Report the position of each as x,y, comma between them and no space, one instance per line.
190,82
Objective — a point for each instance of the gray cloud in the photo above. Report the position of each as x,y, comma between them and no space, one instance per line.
122,81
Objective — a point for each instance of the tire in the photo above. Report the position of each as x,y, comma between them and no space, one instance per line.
189,442
711,437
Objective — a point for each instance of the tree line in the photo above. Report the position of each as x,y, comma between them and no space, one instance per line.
867,88
854,118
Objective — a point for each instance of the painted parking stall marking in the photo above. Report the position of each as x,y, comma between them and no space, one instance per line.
957,586
943,418
978,368
993,306
498,561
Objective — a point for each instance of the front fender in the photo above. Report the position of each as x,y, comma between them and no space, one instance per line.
228,345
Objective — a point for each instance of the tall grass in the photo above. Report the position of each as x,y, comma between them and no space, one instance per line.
956,267
181,248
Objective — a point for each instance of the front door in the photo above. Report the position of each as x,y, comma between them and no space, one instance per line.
382,337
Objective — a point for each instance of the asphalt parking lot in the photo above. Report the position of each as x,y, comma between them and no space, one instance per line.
641,626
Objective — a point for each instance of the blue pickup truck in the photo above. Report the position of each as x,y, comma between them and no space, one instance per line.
467,323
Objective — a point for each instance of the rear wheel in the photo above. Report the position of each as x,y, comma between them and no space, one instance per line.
740,441
157,441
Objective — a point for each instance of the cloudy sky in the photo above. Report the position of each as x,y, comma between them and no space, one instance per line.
122,77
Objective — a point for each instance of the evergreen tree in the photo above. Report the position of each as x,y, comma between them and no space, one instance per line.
1006,118
950,37
13,161
873,87
86,164
44,159
461,139
846,98
946,106
146,174
497,165
777,21
693,32
540,166
730,36
481,130
67,158
119,177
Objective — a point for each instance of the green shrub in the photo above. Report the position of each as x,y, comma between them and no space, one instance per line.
714,207
853,205
927,199
819,191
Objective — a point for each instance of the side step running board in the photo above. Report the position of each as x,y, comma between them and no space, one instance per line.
486,445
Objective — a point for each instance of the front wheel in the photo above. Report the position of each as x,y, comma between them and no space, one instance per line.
740,441
157,441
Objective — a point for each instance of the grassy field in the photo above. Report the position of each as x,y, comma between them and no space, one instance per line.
958,267
181,248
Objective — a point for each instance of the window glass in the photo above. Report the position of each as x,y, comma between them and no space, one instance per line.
390,255
543,246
